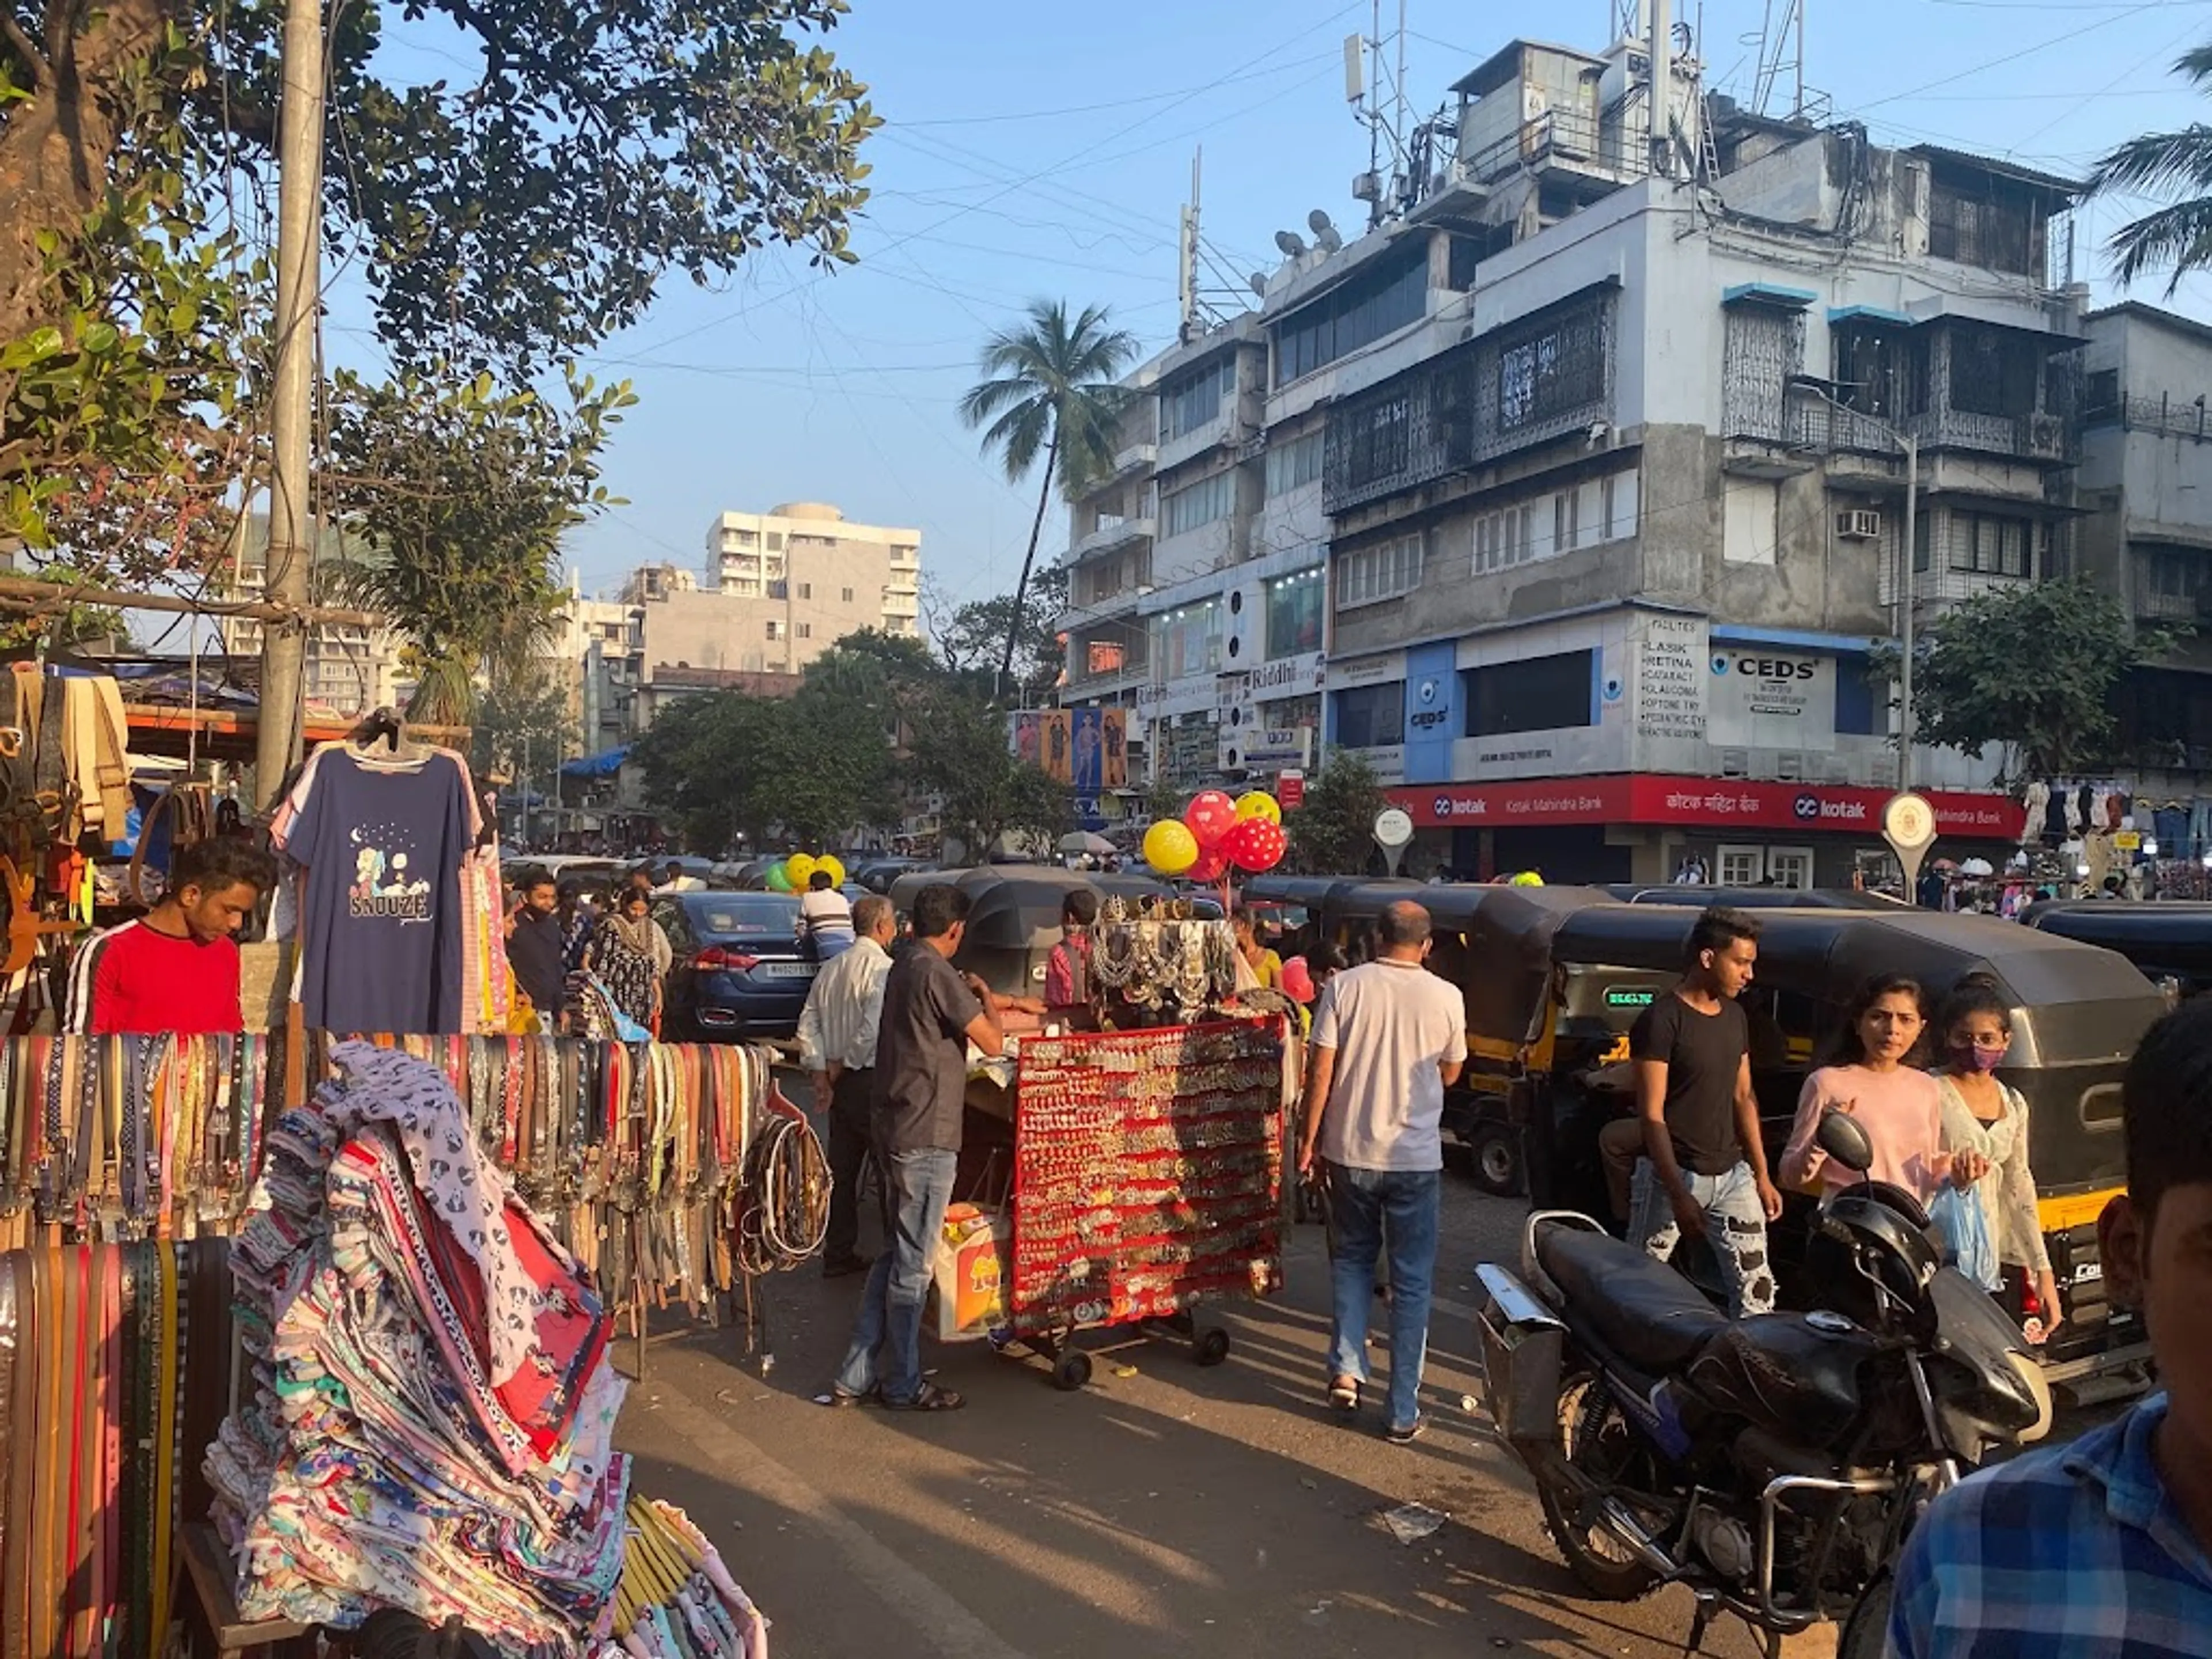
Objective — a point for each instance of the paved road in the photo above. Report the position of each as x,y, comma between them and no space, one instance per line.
1165,1509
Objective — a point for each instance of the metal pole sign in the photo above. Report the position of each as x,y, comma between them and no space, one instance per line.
1908,825
1393,830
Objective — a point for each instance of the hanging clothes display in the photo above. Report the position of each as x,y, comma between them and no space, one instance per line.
383,842
2036,801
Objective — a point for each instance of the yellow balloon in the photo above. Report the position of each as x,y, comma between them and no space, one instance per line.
1259,804
799,870
1529,878
828,862
1170,848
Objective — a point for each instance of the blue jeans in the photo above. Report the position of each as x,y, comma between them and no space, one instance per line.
887,1337
1735,1227
1371,1210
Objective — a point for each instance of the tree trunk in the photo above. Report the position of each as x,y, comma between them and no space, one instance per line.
1036,528
56,146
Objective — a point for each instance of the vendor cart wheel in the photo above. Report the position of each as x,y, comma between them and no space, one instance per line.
1211,1346
1498,1162
1071,1370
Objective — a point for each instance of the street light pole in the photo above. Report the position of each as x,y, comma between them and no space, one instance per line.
1906,594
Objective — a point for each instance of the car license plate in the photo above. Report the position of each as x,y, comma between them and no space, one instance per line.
788,969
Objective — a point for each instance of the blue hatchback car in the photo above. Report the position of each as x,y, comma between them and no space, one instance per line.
739,970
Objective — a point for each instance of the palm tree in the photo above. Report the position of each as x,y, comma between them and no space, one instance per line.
1052,393
2178,235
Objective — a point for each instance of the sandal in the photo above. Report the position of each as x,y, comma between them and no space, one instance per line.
840,1399
931,1399
1344,1394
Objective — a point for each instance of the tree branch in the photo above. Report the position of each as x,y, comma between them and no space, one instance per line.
42,72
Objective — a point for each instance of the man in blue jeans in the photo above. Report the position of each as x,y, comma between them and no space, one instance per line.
1389,1039
931,1014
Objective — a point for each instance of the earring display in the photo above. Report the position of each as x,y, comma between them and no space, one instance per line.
1147,1173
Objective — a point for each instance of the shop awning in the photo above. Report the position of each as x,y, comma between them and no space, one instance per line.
604,765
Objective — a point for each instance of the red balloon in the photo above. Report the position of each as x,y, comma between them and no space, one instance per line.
1210,816
1211,866
1255,845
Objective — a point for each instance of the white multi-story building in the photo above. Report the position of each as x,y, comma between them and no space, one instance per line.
789,583
1581,475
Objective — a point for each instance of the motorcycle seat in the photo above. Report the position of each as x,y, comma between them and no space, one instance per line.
1641,1308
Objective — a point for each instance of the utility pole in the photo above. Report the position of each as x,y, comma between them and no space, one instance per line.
292,398
1906,595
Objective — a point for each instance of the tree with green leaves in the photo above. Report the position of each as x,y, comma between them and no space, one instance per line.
1332,832
2178,237
1051,403
961,754
460,494
525,727
975,632
505,217
2031,671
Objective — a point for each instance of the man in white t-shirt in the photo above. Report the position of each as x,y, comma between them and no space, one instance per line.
1389,1039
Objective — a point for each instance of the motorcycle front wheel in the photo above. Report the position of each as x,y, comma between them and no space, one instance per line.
1600,1446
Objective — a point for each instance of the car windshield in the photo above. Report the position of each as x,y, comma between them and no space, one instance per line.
746,913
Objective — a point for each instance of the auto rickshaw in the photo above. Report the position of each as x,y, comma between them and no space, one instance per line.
1755,898
1013,915
2170,941
2078,1012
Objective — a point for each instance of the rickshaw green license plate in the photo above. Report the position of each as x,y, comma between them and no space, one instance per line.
1630,996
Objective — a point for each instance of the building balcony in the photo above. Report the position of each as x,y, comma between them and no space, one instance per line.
1131,459
1110,538
901,605
2035,437
2168,607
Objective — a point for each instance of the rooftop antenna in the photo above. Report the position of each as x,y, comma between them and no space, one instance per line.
1632,20
1781,52
1186,252
1385,114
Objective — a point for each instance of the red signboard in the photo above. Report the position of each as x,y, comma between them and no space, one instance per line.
1695,804
1290,790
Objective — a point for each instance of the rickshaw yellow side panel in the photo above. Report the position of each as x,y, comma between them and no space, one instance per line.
2059,1215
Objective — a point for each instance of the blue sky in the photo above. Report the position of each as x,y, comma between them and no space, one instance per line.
1045,148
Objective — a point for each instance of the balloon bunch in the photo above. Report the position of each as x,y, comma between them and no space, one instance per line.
796,872
1215,833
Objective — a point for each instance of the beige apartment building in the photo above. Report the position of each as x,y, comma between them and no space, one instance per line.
782,586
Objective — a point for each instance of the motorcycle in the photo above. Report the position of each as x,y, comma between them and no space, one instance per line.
1773,1464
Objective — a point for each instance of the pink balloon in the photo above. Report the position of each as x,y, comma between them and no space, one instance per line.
1211,866
1210,817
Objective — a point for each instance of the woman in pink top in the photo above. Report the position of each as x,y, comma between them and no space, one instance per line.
1899,1107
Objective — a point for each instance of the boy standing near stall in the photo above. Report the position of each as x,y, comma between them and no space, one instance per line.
175,968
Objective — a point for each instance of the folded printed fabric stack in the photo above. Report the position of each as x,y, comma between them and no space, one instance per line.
432,1421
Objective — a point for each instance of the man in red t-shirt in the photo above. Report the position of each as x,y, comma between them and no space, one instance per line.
175,968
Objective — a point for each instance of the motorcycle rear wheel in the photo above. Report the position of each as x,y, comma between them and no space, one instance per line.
1596,1439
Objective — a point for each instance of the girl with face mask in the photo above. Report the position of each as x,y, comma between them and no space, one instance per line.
1982,1114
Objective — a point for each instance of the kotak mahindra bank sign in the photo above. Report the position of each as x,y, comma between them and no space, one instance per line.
1694,803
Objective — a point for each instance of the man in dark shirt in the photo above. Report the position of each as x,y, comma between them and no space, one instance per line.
537,947
1704,1168
931,1014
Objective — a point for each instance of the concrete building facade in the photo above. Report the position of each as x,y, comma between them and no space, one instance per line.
1583,476
787,584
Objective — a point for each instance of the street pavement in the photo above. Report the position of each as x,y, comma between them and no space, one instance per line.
1166,1509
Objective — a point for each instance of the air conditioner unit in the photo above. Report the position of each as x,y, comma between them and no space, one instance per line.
1859,524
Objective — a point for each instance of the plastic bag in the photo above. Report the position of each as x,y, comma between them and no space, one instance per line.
1964,1228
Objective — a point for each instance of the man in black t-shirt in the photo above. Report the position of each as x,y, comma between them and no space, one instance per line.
931,1014
1703,1168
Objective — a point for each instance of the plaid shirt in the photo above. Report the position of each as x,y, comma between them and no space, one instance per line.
2073,1550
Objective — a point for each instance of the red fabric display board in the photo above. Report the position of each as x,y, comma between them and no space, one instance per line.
1148,1170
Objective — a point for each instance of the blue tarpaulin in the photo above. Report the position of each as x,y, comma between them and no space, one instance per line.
596,766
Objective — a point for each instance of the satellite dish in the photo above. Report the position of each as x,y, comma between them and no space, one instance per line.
1291,243
1258,284
1324,233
